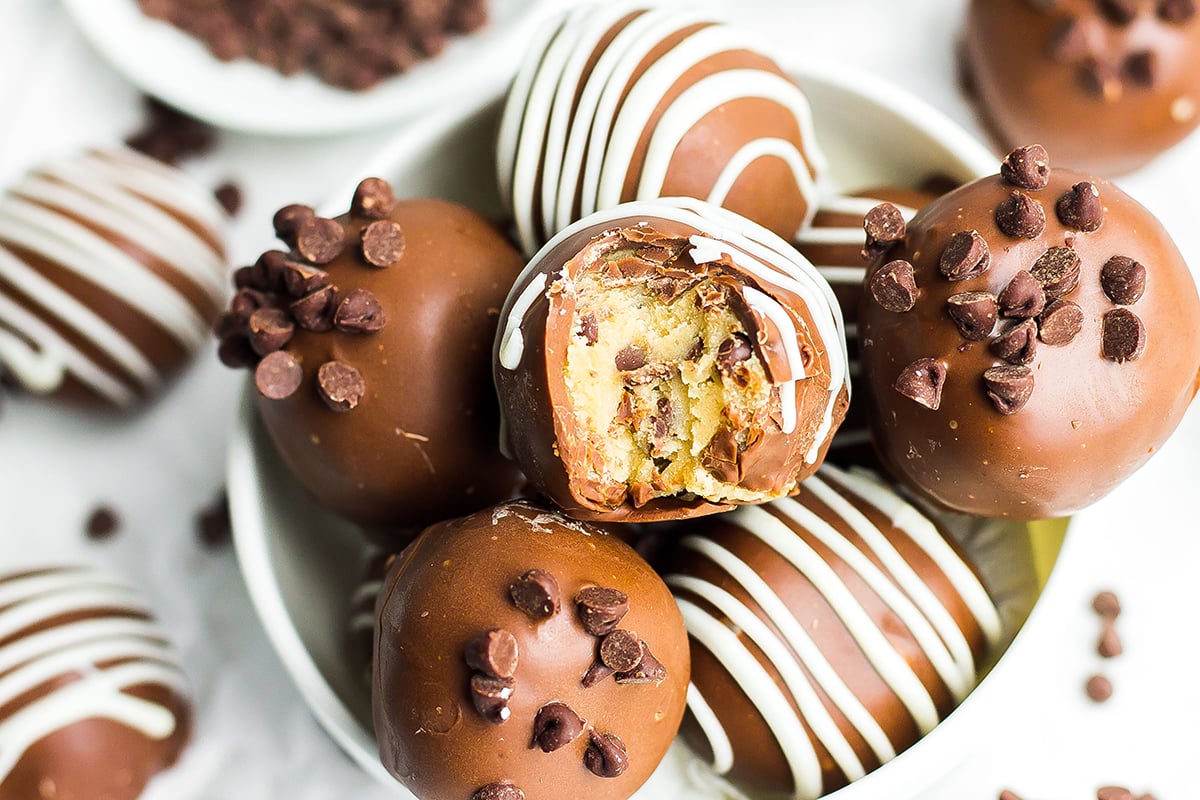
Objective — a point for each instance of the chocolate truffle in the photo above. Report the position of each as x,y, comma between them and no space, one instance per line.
829,632
620,102
517,648
369,345
668,359
92,702
112,269
1105,85
1033,373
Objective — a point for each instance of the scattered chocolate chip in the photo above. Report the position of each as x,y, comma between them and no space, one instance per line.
1017,345
359,312
1123,336
1020,216
629,358
1176,12
278,375
648,670
302,279
314,311
894,287
1106,604
491,695
589,331
382,243
270,330
244,303
1023,298
922,381
1060,323
287,222
1057,270
1008,387
229,195
235,352
102,523
272,266
1140,69
1068,42
965,257
1114,793
1027,168
493,653
884,226
535,593
320,240
249,278
340,385
1123,280
620,651
595,673
731,354
214,528
373,199
1109,645
499,790
1081,208
1118,12
1099,688
169,135
600,610
973,313
605,756
555,726
1100,80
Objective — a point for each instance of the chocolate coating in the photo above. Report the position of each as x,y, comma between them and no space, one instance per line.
452,585
112,270
669,359
829,631
93,704
1103,93
1064,424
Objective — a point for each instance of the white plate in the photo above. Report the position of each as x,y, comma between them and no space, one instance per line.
166,62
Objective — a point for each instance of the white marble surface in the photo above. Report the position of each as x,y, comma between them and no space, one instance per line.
254,738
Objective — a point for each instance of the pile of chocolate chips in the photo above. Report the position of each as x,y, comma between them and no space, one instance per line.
353,44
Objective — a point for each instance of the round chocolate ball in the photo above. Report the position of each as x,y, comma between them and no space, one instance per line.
829,632
522,654
369,345
1049,349
616,103
93,703
112,270
668,359
1105,85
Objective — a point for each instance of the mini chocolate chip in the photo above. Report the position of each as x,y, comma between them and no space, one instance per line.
894,287
1068,42
595,673
629,358
1023,298
1017,345
648,670
249,278
320,240
359,312
491,695
1099,688
340,385
270,330
1176,12
314,312
1100,80
302,279
1057,270
373,199
1027,168
600,610
1123,280
102,523
278,375
922,381
224,325
965,257
1114,793
229,195
1060,323
589,331
272,266
731,353
605,756
536,593
493,652
555,726
213,524
382,243
1106,604
244,303
499,790
1118,12
1008,387
973,313
884,226
1123,336
1140,69
235,352
1020,216
287,222
1109,645
620,651
1081,208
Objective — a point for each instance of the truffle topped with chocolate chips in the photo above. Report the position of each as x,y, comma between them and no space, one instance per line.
519,652
1033,372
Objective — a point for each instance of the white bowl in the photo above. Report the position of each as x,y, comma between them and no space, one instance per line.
302,566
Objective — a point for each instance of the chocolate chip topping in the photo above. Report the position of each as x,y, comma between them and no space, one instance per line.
235,352
600,610
1123,280
648,670
1017,345
973,313
1057,270
589,330
894,287
102,523
1027,168
491,695
731,353
382,243
287,222
270,330
595,673
271,268
340,385
965,257
314,312
1009,387
884,226
1118,12
493,653
1008,794
1081,208
359,312
1107,605
278,375
1123,336
1099,688
620,651
373,199
921,381
1020,216
555,726
1115,793
1023,298
1140,69
629,358
1176,12
1109,645
303,279
229,195
320,240
606,756
1060,323
244,303
535,593
499,790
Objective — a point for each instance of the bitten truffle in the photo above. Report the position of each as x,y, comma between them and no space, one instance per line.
112,269
829,632
668,359
519,653
616,103
92,703
1050,351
